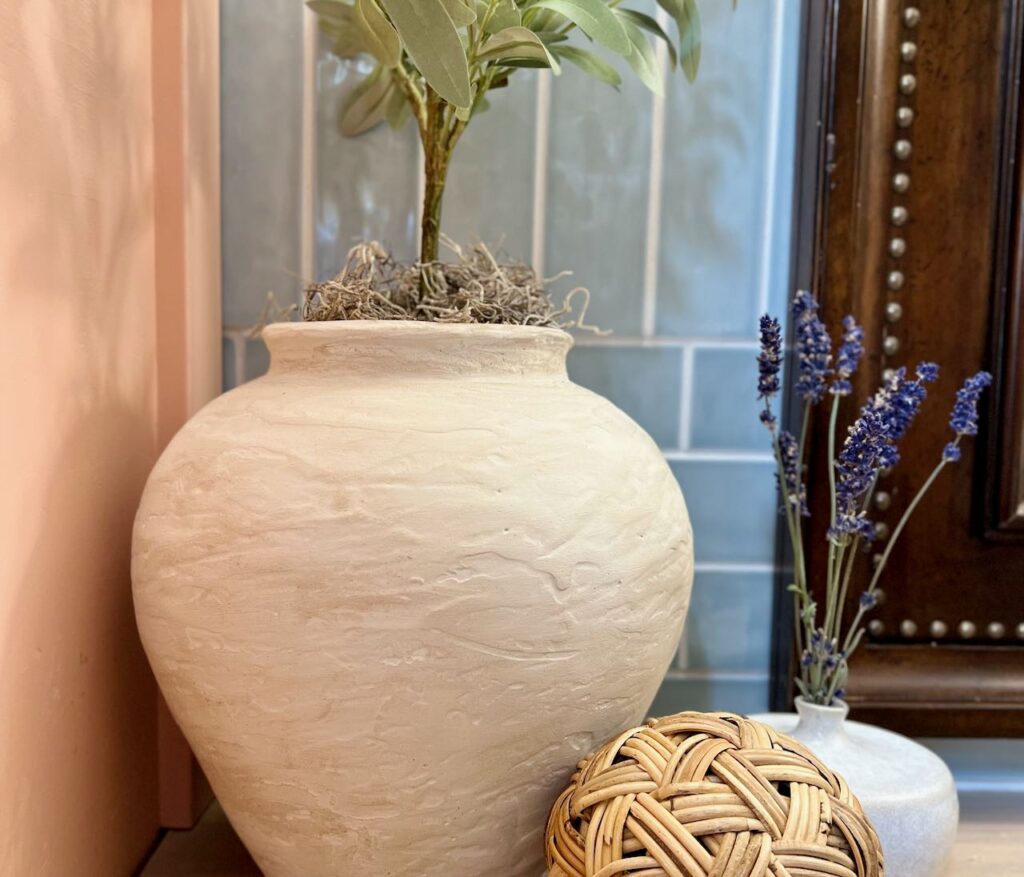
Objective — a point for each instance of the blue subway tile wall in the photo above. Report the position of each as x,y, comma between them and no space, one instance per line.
732,505
488,196
645,382
261,111
354,200
725,399
728,163
725,629
674,212
596,193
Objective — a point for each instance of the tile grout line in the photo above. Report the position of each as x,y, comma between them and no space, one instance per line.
655,341
713,566
706,674
307,168
768,220
716,456
685,401
654,187
540,170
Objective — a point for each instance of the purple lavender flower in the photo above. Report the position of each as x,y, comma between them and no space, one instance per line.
866,450
813,347
872,445
794,492
898,400
951,453
868,600
769,363
848,357
964,419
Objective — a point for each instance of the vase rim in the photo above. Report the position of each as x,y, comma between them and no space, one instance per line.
416,348
804,705
411,328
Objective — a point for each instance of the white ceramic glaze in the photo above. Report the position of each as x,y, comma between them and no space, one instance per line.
906,790
394,590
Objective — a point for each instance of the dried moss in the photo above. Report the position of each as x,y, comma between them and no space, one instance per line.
475,288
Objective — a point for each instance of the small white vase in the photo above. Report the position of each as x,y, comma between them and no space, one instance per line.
906,790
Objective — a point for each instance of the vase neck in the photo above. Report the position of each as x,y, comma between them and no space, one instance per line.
373,348
820,723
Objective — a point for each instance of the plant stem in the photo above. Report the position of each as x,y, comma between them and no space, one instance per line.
833,417
903,521
873,585
436,154
800,597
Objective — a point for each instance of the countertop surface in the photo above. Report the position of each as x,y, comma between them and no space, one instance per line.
990,843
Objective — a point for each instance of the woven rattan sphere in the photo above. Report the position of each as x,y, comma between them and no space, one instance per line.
708,795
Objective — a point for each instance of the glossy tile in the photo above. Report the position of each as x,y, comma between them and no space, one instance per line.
728,177
643,381
733,507
740,693
261,125
367,186
490,188
724,408
598,180
729,624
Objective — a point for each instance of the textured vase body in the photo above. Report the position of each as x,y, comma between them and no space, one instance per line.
395,589
906,790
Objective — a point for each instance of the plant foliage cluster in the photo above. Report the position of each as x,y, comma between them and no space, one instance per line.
436,60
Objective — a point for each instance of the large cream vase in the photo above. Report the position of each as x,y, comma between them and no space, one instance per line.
394,590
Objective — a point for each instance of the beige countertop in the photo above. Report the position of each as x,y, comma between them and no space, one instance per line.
990,843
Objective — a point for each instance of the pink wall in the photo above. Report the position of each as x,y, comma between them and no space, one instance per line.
83,414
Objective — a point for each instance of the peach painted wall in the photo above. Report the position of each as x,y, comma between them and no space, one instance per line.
82,419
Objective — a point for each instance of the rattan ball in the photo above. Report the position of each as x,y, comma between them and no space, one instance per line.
708,795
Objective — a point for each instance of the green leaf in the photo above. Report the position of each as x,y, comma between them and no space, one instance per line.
687,19
397,110
433,43
346,41
518,45
589,63
505,14
381,37
550,37
643,60
690,40
367,104
594,18
460,12
332,10
649,24
338,21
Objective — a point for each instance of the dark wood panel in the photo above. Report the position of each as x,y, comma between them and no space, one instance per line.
1004,462
958,302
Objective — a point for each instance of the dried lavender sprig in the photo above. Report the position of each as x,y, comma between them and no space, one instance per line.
848,357
769,364
813,348
792,488
872,445
964,421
